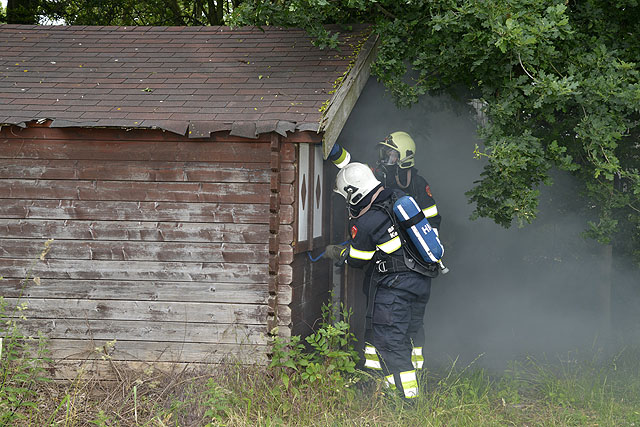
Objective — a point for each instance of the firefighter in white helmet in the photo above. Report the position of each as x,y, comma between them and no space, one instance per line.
399,293
395,169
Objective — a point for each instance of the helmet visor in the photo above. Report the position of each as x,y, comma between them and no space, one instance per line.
388,156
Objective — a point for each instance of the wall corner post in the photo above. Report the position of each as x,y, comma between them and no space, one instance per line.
274,226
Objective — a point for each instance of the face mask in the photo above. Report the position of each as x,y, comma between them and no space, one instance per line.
389,156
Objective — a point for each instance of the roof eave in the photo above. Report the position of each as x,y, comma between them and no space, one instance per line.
346,96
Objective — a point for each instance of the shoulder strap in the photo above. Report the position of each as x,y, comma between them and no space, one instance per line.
366,208
387,206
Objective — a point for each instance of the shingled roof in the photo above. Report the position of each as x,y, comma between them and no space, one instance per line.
188,80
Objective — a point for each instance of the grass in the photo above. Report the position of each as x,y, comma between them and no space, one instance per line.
314,383
529,393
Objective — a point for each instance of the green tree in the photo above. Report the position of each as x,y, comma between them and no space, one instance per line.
122,12
143,12
558,80
22,11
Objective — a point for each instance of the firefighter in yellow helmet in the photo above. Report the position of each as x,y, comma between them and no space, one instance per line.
396,169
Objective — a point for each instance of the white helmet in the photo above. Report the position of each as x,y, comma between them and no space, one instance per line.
355,181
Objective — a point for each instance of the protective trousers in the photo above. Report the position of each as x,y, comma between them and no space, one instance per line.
398,312
417,336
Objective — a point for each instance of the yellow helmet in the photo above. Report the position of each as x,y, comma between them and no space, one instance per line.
398,148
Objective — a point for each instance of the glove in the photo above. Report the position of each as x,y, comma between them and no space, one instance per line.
336,253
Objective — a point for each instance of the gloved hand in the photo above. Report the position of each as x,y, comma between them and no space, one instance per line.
336,253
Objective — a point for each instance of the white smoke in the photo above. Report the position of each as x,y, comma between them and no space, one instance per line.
510,292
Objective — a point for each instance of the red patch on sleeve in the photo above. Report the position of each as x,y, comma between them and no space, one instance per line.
354,231
428,190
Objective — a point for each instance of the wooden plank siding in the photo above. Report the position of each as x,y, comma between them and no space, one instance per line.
139,211
153,291
179,249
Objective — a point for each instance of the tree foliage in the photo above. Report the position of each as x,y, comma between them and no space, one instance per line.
21,12
558,78
121,12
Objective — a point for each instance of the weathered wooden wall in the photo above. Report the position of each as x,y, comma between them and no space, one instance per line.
161,242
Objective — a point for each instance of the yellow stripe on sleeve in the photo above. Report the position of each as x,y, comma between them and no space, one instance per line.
430,211
390,246
343,160
358,254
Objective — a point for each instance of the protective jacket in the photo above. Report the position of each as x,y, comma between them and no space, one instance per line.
400,294
412,183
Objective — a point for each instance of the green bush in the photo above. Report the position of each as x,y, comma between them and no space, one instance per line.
329,358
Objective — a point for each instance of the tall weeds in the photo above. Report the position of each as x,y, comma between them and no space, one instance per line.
22,358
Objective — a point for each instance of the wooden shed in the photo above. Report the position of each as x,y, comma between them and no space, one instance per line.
180,173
